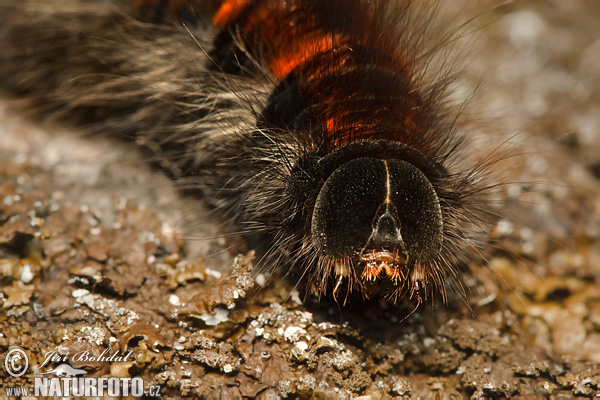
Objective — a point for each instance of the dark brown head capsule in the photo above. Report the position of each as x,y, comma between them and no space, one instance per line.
380,217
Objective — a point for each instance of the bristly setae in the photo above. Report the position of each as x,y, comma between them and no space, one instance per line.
321,125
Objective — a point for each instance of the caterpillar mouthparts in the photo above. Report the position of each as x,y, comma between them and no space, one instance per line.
376,261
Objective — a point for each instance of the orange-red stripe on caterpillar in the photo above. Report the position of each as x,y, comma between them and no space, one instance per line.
316,125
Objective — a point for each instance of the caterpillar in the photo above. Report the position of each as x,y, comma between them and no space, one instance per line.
320,127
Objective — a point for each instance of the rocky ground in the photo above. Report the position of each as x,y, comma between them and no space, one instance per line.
98,251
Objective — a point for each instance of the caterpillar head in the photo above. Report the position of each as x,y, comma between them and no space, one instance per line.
377,222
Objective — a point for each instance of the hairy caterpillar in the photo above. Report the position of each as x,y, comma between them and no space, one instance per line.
319,125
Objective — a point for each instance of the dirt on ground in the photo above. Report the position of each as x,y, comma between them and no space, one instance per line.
99,251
